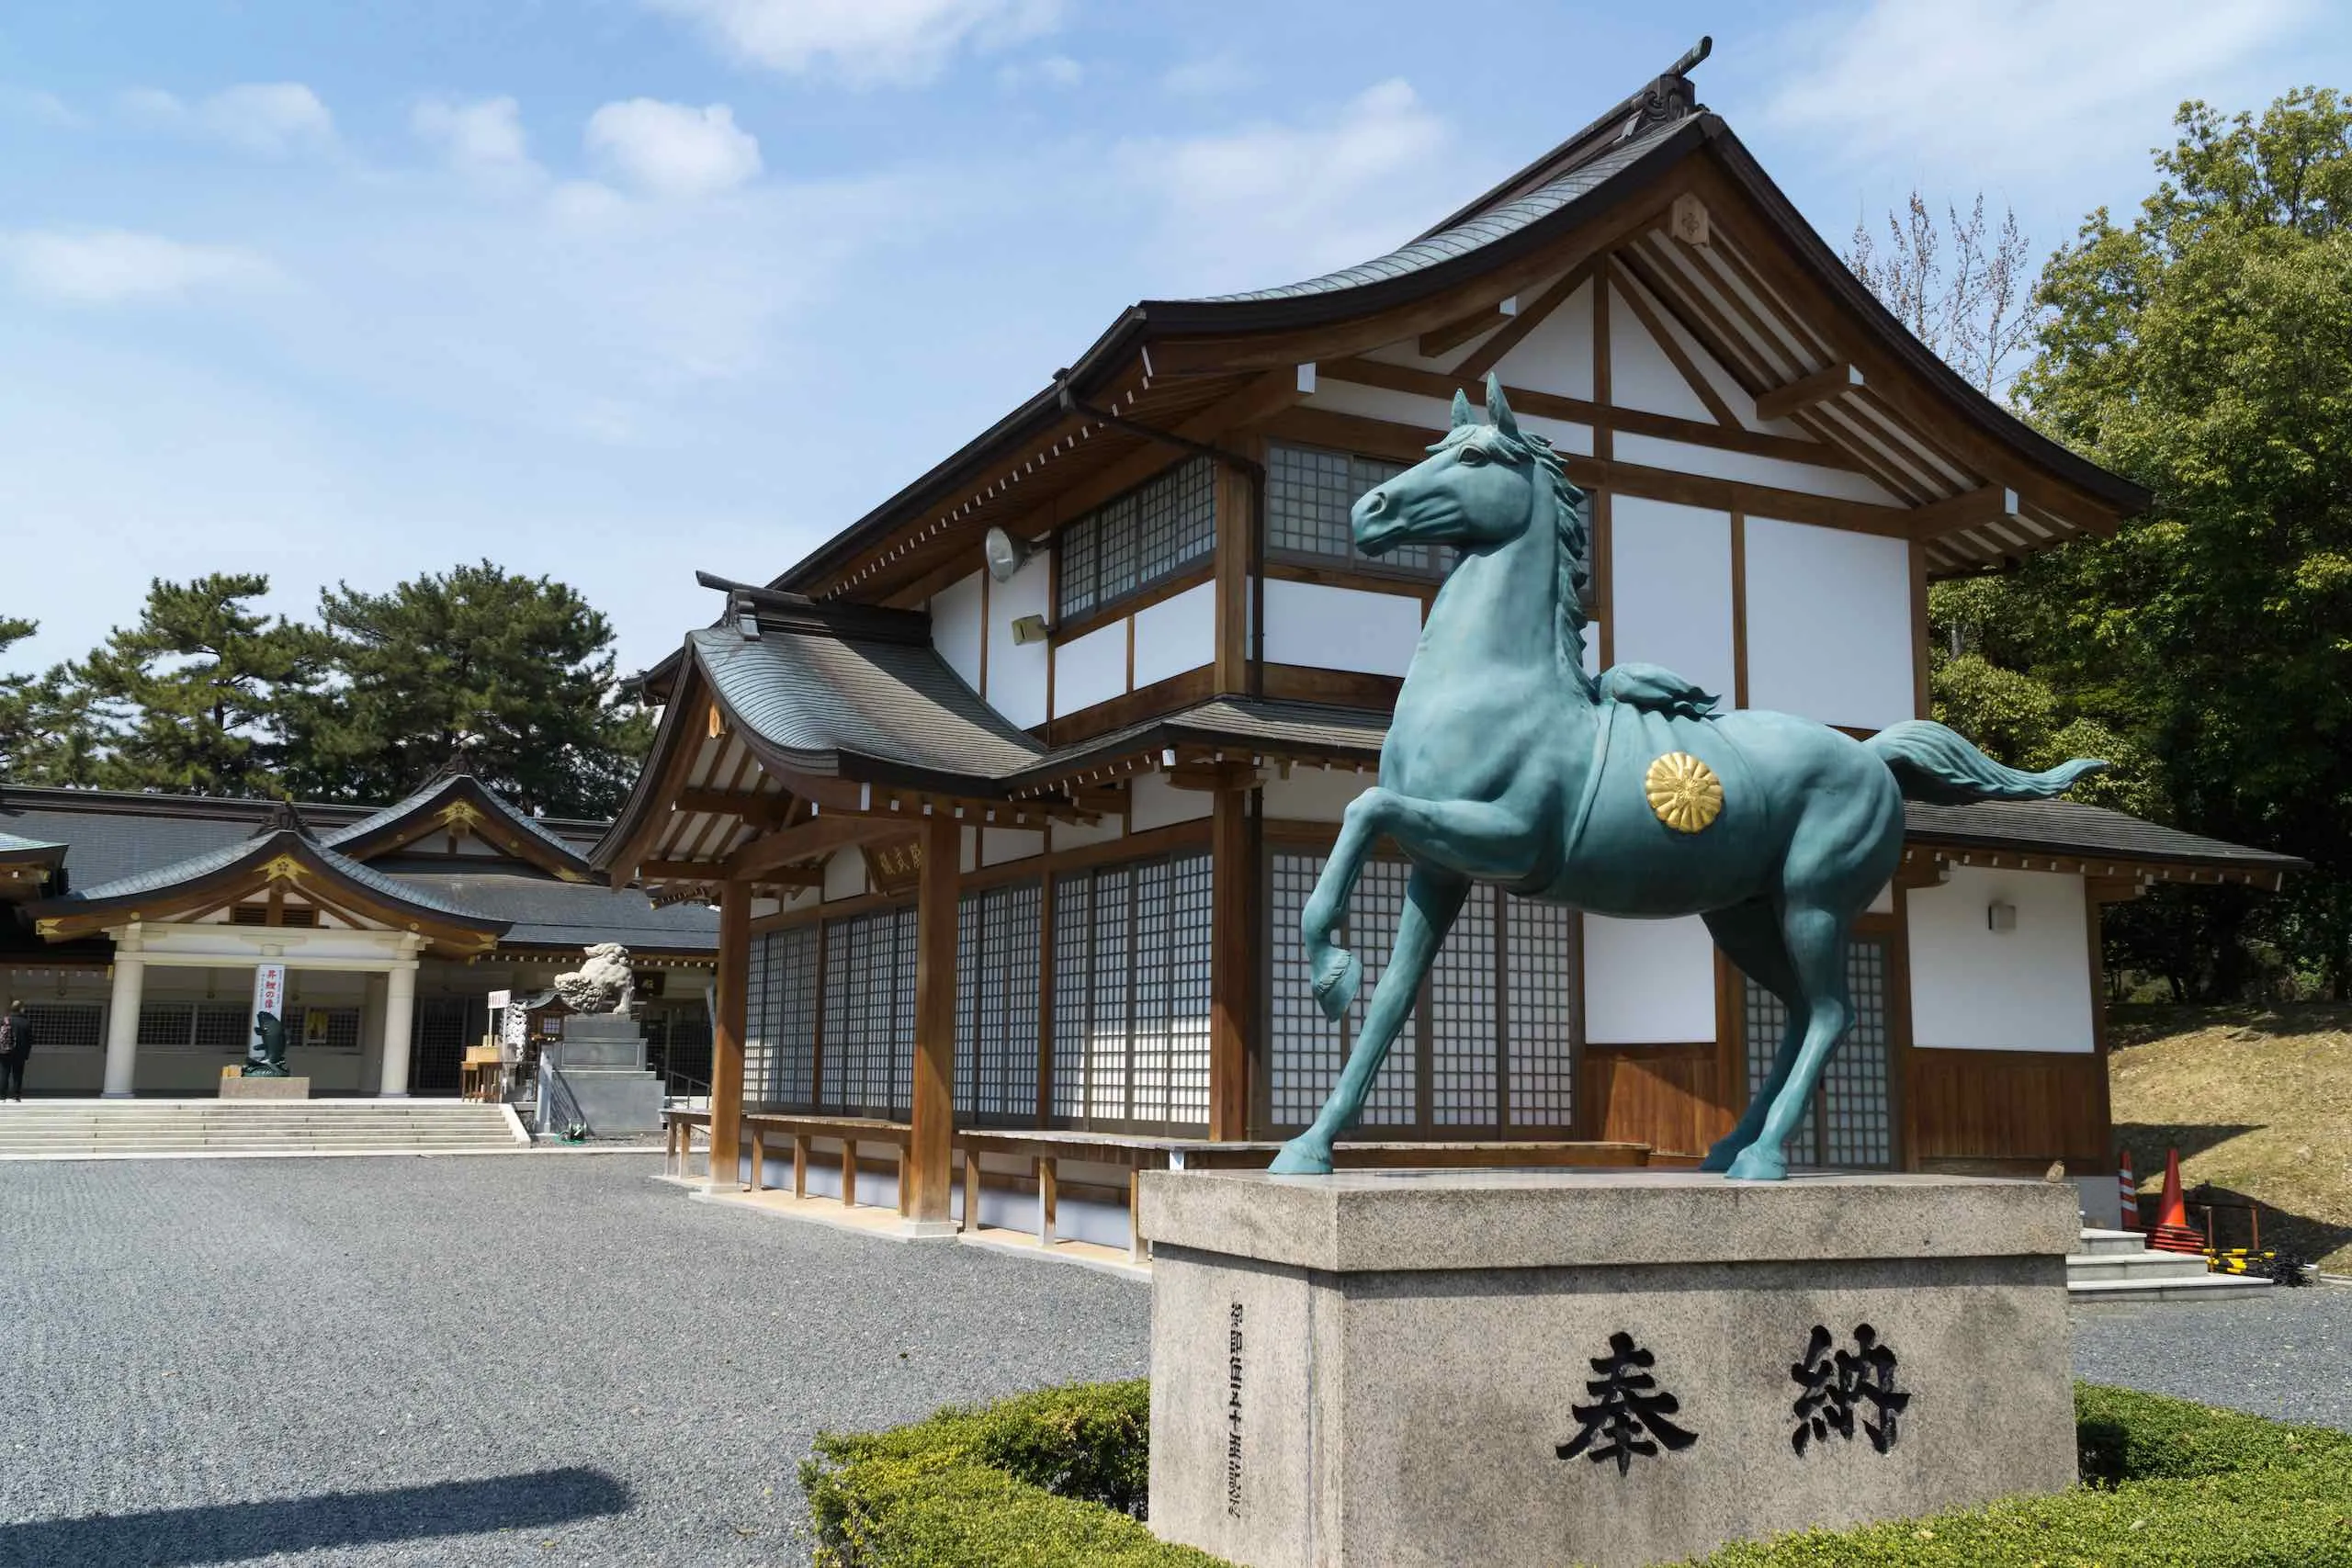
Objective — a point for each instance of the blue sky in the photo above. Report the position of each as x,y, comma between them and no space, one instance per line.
614,289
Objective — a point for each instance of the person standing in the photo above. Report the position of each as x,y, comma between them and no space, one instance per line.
15,1045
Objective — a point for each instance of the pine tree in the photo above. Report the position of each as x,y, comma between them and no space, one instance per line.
513,674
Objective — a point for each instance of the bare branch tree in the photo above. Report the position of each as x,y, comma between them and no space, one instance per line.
1976,312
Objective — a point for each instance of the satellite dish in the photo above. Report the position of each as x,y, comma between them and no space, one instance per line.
1005,554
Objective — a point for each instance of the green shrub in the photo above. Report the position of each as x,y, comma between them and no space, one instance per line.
1056,1480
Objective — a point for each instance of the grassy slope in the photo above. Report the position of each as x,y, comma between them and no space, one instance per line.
2258,1100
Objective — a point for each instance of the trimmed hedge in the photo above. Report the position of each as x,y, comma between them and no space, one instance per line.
1058,1480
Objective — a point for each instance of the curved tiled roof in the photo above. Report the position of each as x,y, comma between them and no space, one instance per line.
441,788
1475,233
285,841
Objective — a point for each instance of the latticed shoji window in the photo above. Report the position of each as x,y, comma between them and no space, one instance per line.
1150,533
65,1026
997,977
1309,493
869,1013
196,1026
1131,993
1491,1040
1850,1122
780,1026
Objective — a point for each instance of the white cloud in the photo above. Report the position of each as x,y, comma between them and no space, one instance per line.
483,139
101,266
1214,77
41,108
673,150
864,41
2013,88
271,117
1240,205
1053,71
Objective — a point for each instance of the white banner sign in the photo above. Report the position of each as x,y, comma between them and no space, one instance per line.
269,989
500,998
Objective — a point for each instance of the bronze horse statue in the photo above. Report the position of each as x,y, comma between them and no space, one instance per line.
1628,795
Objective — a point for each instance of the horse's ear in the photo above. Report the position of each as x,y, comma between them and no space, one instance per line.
1461,415
1497,411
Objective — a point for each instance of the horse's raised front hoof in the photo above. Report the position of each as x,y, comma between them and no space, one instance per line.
1337,979
1303,1155
1757,1163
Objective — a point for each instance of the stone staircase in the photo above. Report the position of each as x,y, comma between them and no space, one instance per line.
2119,1266
184,1129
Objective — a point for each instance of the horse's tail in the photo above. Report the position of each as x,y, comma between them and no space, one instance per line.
1933,764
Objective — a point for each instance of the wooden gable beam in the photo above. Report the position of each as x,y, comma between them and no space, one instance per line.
1973,509
1835,381
748,805
771,852
1454,333
1632,290
1490,353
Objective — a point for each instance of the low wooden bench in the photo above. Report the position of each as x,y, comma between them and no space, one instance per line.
678,1127
850,1132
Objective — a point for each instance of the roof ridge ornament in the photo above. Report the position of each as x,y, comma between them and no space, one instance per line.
1669,97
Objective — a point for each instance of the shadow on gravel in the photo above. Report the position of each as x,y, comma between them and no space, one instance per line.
229,1532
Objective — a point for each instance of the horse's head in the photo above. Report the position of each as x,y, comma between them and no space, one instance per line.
1478,489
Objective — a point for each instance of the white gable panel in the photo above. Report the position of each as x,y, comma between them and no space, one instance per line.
1974,988
1682,458
844,873
1556,357
1648,982
956,628
1829,623
1381,402
1092,669
1340,629
1017,670
1176,635
1640,375
1670,589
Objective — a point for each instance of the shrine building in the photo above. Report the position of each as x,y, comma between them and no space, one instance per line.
130,926
1010,793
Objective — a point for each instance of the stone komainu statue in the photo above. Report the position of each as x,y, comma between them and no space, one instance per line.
602,983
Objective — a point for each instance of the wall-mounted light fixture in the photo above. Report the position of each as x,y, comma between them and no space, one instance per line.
1005,554
1030,628
2000,916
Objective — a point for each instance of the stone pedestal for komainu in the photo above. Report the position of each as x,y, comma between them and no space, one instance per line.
1608,1368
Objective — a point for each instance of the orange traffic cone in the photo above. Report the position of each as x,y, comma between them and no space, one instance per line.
2127,1190
2171,1232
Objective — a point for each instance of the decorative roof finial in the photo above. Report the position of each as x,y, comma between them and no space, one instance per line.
1669,97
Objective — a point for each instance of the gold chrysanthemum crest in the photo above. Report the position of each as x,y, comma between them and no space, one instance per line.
1684,792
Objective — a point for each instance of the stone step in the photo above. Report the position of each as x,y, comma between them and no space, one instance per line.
131,1128
2199,1288
2136,1266
2103,1243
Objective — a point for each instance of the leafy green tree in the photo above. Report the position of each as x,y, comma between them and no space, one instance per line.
513,673
189,696
2205,349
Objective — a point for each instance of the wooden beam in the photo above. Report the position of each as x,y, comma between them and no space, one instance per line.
1461,330
821,836
1972,509
1490,353
1237,526
1630,287
749,806
930,1148
1232,975
726,1035
1833,381
1234,774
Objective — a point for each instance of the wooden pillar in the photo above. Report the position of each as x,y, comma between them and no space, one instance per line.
727,1036
930,1148
1232,970
1237,528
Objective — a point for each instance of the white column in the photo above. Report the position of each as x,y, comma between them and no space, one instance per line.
123,1022
400,1010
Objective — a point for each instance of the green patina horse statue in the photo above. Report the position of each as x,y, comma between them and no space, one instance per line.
1627,795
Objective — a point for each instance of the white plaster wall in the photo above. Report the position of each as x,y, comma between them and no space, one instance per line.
1176,635
1001,844
1092,669
1017,672
1340,629
1976,989
1314,794
967,848
1682,458
1555,357
1078,835
956,628
1648,982
845,874
1157,803
1640,375
1829,623
1670,589
1380,403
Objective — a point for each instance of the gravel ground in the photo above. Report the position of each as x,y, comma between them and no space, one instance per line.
471,1361
2283,1353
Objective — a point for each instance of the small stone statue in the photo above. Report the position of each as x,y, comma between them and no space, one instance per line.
265,1057
603,984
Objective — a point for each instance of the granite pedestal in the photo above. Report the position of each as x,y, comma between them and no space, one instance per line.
1506,1368
600,1064
242,1088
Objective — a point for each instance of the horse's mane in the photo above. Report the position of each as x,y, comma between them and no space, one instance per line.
1572,526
